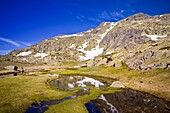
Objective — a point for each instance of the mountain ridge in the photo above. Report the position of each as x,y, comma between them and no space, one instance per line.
139,41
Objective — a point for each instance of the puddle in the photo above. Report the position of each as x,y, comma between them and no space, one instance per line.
68,83
44,105
128,101
10,74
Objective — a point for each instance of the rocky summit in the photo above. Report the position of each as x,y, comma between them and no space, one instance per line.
140,42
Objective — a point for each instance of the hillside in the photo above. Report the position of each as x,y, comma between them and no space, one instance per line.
139,41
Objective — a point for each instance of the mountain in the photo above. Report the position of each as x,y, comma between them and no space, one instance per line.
139,41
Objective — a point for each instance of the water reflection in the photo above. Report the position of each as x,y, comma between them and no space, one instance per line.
128,101
15,74
44,105
68,83
10,74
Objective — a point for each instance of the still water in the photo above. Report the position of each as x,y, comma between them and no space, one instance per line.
126,101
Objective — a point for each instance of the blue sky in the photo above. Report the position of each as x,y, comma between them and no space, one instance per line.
26,22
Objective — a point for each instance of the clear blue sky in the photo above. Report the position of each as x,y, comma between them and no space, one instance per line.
25,22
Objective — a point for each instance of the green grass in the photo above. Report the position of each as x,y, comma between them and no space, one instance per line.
77,105
103,71
19,92
131,78
70,63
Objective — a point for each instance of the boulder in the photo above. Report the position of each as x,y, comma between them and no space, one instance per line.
117,84
53,75
9,67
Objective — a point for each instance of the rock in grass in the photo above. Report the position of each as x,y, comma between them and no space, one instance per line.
53,75
117,84
9,67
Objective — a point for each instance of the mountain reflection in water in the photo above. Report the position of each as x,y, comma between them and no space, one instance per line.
128,101
68,83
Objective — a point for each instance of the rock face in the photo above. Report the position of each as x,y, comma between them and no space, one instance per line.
139,41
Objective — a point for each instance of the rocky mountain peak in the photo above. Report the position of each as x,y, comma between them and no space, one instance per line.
139,15
139,41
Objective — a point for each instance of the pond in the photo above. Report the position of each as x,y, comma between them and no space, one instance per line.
126,101
10,74
69,83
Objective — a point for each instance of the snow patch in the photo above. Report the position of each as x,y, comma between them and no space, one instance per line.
97,50
72,46
113,109
71,35
24,59
109,52
155,37
76,67
91,80
70,85
53,75
83,46
158,20
111,27
24,53
41,55
91,54
88,31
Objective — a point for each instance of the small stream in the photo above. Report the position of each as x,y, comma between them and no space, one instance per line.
127,101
